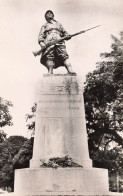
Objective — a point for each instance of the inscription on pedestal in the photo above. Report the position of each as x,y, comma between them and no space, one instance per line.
49,106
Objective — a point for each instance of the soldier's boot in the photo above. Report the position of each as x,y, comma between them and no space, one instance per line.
69,69
67,64
49,65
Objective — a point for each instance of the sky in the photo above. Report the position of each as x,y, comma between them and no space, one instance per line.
20,23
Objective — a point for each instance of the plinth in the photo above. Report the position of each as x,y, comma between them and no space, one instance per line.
60,130
60,121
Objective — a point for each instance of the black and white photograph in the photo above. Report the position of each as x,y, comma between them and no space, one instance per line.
61,97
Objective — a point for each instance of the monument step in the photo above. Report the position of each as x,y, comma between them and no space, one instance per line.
65,194
73,181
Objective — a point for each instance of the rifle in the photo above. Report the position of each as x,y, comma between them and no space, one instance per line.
62,39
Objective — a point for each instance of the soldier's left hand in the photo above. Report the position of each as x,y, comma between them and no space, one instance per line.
68,37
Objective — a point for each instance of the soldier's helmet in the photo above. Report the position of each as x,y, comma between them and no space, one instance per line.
48,12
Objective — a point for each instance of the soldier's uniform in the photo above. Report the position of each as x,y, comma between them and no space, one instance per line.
49,32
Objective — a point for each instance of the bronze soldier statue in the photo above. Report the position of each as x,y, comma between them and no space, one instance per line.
55,55
52,38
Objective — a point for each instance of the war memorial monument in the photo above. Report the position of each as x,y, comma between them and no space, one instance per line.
60,164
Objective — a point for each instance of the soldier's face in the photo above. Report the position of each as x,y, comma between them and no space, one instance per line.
49,16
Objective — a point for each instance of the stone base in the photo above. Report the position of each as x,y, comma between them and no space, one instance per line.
61,181
72,194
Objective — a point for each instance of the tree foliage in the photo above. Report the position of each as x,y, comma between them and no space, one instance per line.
103,101
2,136
8,149
22,158
15,151
5,117
31,125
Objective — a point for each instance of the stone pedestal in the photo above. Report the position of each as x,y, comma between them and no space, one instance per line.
60,131
60,121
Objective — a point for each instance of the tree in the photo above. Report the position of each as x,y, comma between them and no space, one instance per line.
8,149
31,125
103,98
2,136
22,158
5,117
103,106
